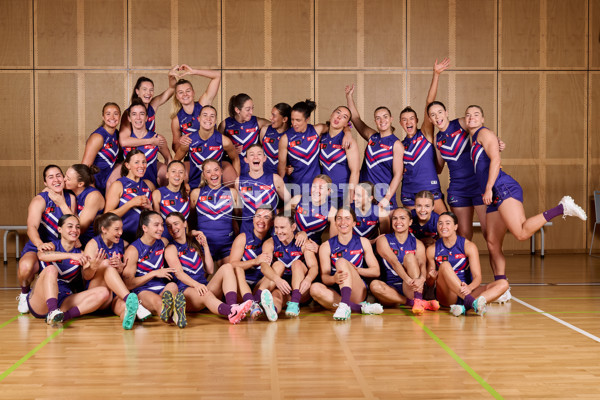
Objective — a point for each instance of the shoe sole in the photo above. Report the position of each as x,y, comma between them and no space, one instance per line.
481,309
291,314
131,307
167,306
433,305
266,301
180,310
58,318
241,314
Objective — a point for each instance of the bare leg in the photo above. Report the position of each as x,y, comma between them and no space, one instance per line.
229,174
513,214
465,221
495,237
87,301
223,281
324,296
492,290
45,288
28,267
439,206
385,294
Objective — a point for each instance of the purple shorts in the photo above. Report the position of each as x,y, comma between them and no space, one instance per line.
64,291
154,286
505,188
408,199
456,200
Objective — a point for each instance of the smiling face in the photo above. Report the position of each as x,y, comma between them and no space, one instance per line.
446,227
423,208
408,121
212,173
137,117
262,221
284,229
208,118
246,112
319,191
438,116
176,174
474,118
155,227
137,165
177,227
299,122
184,93
114,232
401,220
54,180
339,118
361,197
255,158
145,92
344,221
383,120
111,115
277,120
70,229
72,180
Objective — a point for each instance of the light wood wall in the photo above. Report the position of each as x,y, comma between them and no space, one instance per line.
534,66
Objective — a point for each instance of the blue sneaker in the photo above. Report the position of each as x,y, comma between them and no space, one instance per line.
457,310
131,307
266,301
293,309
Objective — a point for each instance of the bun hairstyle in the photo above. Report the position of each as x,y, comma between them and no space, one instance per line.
285,110
305,107
237,101
85,174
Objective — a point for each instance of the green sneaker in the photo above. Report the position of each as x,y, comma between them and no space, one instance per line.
179,313
292,309
131,307
167,306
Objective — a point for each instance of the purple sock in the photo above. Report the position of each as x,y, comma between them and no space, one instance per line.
71,313
498,277
231,298
25,289
224,309
553,212
257,296
355,307
409,302
247,296
52,304
346,292
296,295
469,302
126,296
418,295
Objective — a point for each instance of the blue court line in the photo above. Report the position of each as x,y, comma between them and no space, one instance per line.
35,350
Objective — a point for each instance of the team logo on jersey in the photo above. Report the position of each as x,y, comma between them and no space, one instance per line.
233,131
295,143
130,190
441,258
278,254
168,202
251,247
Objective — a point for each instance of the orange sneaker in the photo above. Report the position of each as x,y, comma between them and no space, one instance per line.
418,307
432,305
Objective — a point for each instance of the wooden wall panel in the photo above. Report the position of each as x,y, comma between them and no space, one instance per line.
251,83
243,34
57,116
199,33
15,31
56,23
519,123
100,87
567,27
562,180
384,37
150,33
594,34
104,36
428,32
17,191
16,118
475,41
480,89
418,88
290,87
519,34
336,29
292,34
330,92
566,115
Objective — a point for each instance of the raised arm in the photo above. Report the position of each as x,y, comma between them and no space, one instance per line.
362,128
213,86
162,98
427,125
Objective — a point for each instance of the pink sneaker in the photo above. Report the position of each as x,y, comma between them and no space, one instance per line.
239,311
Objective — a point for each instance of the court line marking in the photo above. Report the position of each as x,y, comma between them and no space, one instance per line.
560,321
457,358
2,325
35,350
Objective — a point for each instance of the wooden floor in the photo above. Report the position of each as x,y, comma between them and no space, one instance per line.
544,344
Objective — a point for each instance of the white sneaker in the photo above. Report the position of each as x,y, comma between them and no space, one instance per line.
504,298
343,312
480,305
142,312
54,317
266,301
23,307
371,308
457,310
570,209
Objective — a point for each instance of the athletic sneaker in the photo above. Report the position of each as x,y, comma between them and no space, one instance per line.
266,301
54,317
179,312
239,311
167,306
370,308
457,310
480,305
342,313
431,305
505,298
570,209
131,307
142,312
22,307
418,307
293,309
255,311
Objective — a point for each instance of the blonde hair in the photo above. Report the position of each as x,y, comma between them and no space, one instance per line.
176,104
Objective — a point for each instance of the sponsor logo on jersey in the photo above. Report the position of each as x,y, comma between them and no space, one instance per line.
355,252
385,146
265,187
295,253
460,256
251,130
73,262
410,252
213,148
314,137
224,196
159,252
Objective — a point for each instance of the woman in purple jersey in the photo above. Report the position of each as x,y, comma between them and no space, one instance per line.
424,219
242,127
110,247
383,163
271,135
42,218
185,108
174,197
204,143
102,147
453,266
55,286
130,194
503,195
371,220
79,179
